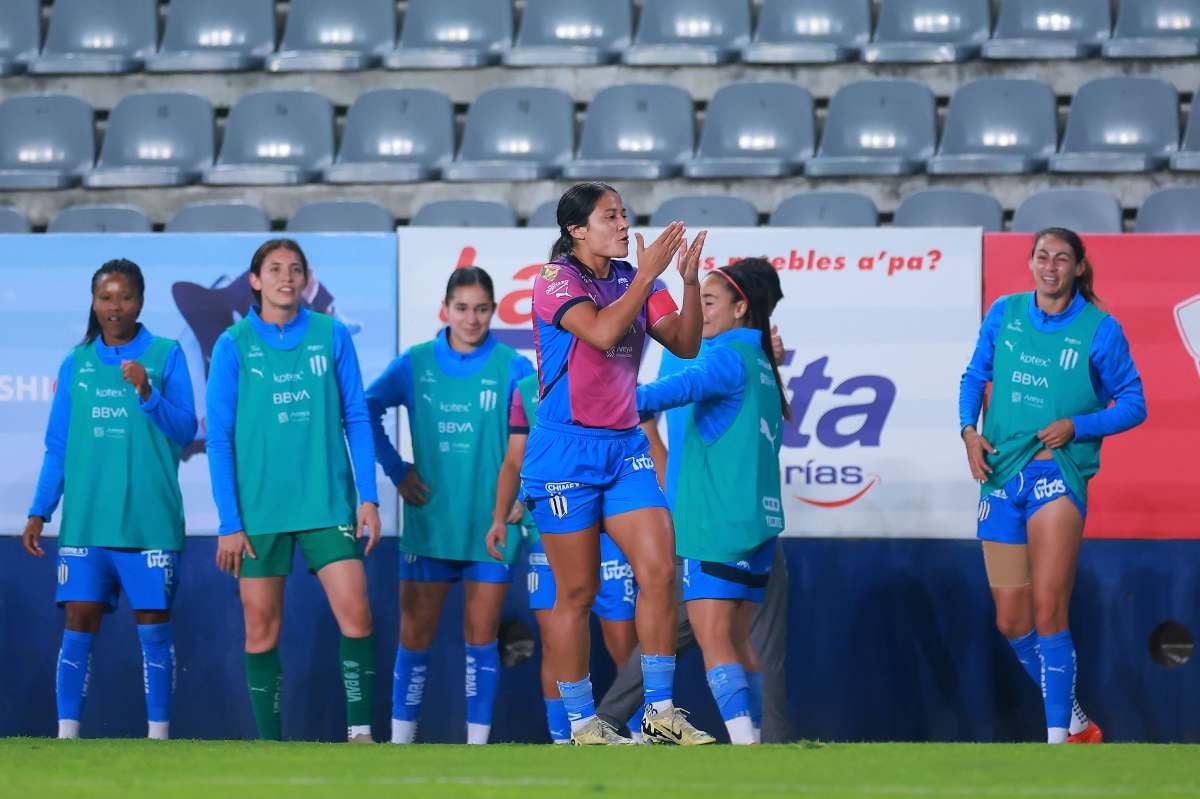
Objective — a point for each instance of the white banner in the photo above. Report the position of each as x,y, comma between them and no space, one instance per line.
879,324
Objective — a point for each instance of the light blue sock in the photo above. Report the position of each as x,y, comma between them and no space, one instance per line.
754,681
408,683
728,685
74,668
635,721
158,669
557,721
1028,653
1058,677
658,677
483,681
578,701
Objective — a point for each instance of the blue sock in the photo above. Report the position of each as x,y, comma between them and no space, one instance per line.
408,683
658,677
74,668
728,685
754,681
1058,677
635,721
158,669
483,681
1028,653
578,701
557,721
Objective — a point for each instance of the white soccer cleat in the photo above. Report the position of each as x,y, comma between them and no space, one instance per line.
598,732
671,726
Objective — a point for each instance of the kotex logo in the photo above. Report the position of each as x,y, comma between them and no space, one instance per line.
863,404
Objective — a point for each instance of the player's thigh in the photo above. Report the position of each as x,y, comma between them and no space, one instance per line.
647,538
421,602
575,561
1055,535
262,606
345,584
481,611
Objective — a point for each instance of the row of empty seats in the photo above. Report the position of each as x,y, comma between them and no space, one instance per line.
1170,210
637,131
112,36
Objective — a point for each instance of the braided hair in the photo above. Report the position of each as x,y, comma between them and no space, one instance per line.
760,288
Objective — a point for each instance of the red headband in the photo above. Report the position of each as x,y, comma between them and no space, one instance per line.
721,271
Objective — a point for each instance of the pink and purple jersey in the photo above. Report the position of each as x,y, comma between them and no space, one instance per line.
580,384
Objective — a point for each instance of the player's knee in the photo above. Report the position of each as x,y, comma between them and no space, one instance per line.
83,617
262,629
356,624
416,637
1011,625
1050,617
657,577
577,594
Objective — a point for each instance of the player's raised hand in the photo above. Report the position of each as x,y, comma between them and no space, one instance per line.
368,520
135,375
978,449
653,260
33,535
497,539
230,551
688,262
413,489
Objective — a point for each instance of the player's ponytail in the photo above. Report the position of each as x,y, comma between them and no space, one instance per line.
1084,283
119,266
574,208
757,283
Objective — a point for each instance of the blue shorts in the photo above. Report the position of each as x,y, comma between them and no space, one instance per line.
1004,513
98,574
743,579
573,477
424,569
617,596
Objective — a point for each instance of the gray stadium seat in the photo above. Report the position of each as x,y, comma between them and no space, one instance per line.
809,31
100,219
546,215
755,130
1172,210
635,131
275,138
215,36
452,34
332,35
1156,29
1120,125
20,34
155,139
690,32
219,217
1029,30
342,216
826,209
950,208
1081,210
47,141
395,136
13,220
702,212
1188,157
98,36
515,133
997,125
932,31
876,127
465,213
571,33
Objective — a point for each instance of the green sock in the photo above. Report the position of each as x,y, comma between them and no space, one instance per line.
358,677
264,676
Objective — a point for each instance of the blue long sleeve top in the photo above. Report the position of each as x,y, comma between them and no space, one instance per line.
394,388
1114,376
171,408
221,397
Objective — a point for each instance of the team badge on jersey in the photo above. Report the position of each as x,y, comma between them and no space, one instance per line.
558,505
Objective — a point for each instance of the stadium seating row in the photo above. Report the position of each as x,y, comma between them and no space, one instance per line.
633,131
1170,210
113,36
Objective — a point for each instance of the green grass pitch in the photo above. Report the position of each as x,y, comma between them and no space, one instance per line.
131,769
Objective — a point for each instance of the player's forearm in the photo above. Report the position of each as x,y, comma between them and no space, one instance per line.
611,323
507,484
685,335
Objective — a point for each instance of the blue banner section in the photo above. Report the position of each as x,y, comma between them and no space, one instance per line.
889,640
196,286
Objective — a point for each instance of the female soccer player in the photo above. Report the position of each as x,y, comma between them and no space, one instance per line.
728,510
123,409
457,390
1062,379
586,461
284,397
617,596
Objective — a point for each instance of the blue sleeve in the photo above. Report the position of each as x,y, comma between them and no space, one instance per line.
391,389
979,371
354,413
173,410
717,373
518,370
50,480
1112,366
220,418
